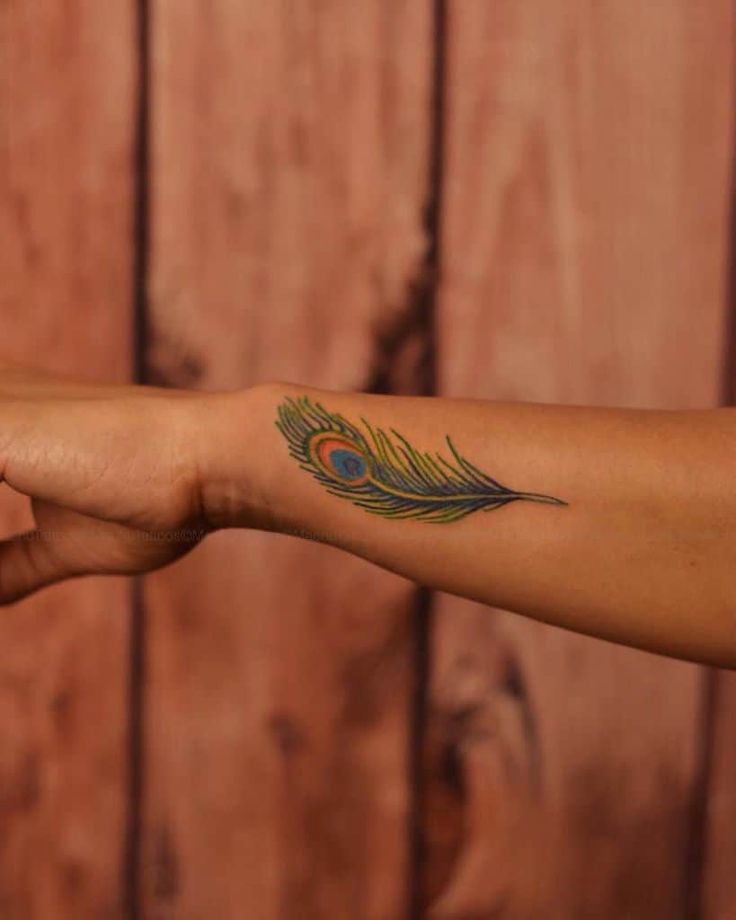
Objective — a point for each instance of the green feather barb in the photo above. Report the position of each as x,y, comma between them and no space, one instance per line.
384,474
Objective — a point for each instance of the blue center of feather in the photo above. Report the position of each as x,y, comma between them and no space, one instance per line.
347,464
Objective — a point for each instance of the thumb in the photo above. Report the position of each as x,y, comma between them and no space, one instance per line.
29,561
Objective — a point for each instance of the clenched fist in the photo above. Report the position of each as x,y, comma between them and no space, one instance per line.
115,475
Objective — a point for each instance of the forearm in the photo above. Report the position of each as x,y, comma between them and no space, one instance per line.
642,552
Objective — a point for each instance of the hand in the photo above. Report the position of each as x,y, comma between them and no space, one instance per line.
114,475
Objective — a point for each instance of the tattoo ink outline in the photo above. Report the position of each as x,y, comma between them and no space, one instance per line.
384,474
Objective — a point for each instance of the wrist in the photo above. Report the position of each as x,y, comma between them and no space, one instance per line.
237,462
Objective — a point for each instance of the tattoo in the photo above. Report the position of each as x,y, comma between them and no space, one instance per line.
384,474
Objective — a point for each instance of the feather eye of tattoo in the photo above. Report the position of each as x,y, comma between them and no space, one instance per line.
382,473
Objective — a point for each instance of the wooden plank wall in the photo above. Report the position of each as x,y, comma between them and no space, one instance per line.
585,262
517,200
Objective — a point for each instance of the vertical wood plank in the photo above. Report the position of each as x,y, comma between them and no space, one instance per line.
719,856
290,151
67,82
584,235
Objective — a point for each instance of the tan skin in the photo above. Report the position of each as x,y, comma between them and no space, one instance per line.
128,479
99,482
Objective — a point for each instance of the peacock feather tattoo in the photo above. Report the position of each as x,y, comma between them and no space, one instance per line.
384,474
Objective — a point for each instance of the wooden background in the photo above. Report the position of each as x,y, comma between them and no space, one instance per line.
518,199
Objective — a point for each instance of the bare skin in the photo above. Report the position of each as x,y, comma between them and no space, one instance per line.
128,479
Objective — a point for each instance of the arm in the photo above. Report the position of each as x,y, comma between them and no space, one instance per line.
614,523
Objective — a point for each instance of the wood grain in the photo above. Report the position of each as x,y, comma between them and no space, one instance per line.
719,853
67,74
584,250
289,178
